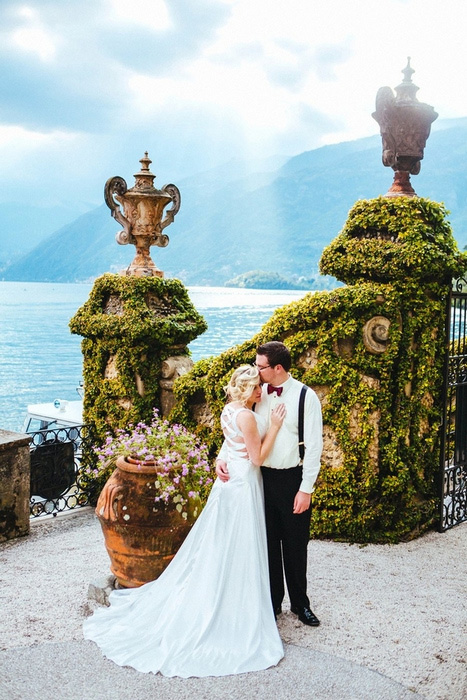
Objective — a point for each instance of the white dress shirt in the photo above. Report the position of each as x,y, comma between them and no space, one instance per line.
285,452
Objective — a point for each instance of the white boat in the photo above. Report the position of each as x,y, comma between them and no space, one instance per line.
53,416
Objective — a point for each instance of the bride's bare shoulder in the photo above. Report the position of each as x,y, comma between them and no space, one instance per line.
245,417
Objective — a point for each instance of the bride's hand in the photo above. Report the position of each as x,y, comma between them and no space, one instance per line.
278,414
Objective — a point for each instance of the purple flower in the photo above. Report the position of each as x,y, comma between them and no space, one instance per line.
182,461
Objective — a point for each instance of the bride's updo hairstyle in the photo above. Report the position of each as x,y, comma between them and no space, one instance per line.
243,381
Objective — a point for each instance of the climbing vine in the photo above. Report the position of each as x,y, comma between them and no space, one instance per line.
381,411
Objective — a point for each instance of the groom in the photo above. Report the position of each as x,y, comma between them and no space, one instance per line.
288,483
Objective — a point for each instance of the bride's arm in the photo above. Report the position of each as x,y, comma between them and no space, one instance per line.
221,463
257,450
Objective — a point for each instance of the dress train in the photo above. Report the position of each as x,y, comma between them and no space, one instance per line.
209,613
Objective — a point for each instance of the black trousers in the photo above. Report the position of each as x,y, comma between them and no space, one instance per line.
288,535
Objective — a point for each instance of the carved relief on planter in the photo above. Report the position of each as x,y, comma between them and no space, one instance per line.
376,334
172,368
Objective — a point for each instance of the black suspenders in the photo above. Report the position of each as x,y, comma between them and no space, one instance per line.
301,407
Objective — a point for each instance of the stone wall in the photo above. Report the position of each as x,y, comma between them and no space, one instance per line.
14,484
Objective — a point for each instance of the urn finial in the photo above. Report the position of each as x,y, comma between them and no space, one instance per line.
407,72
145,162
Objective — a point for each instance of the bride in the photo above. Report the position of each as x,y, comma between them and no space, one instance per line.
209,613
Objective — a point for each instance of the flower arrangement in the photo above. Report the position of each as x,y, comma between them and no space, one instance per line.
183,473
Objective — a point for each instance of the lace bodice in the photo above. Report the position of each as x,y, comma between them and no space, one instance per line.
232,434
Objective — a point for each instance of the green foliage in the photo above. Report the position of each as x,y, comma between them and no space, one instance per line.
379,477
394,238
130,326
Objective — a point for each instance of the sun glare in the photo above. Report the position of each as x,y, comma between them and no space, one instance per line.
33,36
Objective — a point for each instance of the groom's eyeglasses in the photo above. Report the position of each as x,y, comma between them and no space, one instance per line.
260,369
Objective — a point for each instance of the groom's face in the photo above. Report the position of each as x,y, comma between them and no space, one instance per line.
266,372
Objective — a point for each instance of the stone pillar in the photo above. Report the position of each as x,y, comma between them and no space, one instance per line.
172,368
136,331
14,484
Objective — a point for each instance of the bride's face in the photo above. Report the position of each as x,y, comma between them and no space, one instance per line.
255,396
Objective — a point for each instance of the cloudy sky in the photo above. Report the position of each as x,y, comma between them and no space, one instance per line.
86,86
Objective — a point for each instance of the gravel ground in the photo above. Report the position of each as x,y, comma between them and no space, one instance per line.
396,609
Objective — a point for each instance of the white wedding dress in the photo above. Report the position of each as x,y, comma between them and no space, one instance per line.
210,612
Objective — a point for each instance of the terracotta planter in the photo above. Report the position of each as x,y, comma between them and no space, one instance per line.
145,463
141,535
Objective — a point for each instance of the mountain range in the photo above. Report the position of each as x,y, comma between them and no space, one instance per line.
274,216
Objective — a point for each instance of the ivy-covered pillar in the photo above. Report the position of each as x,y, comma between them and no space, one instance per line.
384,404
134,329
136,325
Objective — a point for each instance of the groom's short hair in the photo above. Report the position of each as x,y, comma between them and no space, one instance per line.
277,354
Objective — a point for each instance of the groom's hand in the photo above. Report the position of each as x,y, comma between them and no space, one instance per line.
221,470
302,502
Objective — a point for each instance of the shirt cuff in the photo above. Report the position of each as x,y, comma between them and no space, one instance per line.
307,486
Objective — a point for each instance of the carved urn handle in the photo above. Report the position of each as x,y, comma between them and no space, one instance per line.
170,214
117,185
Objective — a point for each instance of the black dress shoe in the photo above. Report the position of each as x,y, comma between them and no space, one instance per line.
306,615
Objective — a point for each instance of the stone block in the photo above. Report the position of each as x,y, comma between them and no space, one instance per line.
101,589
14,484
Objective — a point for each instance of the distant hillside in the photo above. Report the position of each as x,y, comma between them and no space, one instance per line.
23,226
277,220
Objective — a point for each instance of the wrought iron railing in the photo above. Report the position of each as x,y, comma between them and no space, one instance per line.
57,475
454,434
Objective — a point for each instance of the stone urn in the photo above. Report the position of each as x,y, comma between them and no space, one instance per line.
141,535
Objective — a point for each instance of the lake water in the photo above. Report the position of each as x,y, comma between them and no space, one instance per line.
40,360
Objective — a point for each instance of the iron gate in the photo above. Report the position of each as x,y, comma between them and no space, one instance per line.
454,426
55,480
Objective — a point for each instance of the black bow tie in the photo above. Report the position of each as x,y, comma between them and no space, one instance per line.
277,389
